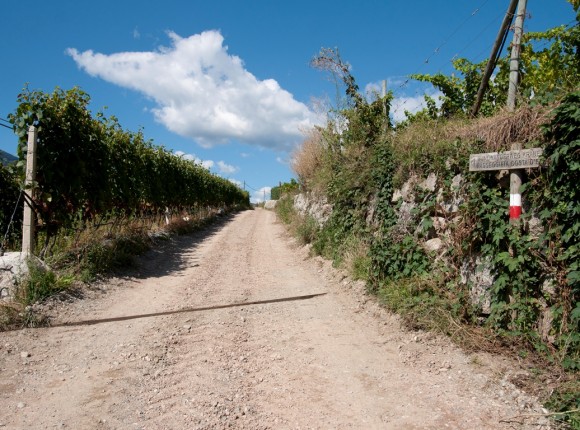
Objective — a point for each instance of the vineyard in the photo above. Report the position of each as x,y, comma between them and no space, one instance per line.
92,172
102,195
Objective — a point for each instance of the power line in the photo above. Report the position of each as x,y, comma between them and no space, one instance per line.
437,50
7,122
454,32
251,188
462,50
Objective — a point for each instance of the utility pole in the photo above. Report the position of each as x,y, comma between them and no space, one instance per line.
384,94
28,221
516,175
515,55
491,63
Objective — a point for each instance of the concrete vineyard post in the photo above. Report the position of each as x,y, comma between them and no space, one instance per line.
28,221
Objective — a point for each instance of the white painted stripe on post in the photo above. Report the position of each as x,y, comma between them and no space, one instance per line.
515,199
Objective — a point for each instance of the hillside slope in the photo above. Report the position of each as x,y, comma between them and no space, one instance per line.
6,158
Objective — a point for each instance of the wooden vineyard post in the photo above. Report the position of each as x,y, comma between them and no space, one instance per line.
28,221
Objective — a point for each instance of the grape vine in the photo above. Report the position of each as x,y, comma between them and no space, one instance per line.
89,167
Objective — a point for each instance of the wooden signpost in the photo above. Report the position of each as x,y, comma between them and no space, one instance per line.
522,159
517,159
508,160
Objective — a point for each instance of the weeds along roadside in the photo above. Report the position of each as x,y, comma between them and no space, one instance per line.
81,257
531,307
533,313
98,191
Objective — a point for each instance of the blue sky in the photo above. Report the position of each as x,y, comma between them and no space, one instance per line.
228,83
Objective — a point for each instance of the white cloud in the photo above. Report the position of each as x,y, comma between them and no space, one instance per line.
411,104
282,160
235,182
203,92
402,103
226,169
261,195
373,88
189,157
208,164
392,84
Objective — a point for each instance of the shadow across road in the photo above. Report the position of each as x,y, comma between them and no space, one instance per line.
186,310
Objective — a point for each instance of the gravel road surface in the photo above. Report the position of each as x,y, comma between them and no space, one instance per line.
330,360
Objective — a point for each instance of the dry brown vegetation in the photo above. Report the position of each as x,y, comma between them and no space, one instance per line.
308,158
431,145
501,130
417,145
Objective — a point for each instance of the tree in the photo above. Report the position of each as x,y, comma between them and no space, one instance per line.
549,64
460,92
551,60
285,188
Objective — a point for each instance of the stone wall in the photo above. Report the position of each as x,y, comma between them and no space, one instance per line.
13,266
313,205
475,271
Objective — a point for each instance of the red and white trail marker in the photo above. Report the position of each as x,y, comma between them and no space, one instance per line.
515,205
508,160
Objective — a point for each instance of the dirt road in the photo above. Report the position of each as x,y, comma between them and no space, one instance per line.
333,361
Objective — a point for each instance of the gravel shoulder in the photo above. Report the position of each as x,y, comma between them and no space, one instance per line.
336,360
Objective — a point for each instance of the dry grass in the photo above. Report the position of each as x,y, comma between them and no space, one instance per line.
425,147
501,130
11,315
435,145
356,258
308,158
497,132
422,133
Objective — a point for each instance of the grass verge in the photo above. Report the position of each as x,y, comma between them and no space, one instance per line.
94,254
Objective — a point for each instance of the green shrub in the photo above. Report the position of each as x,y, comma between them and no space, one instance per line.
102,257
285,209
565,404
395,260
307,230
285,188
39,284
358,159
88,167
